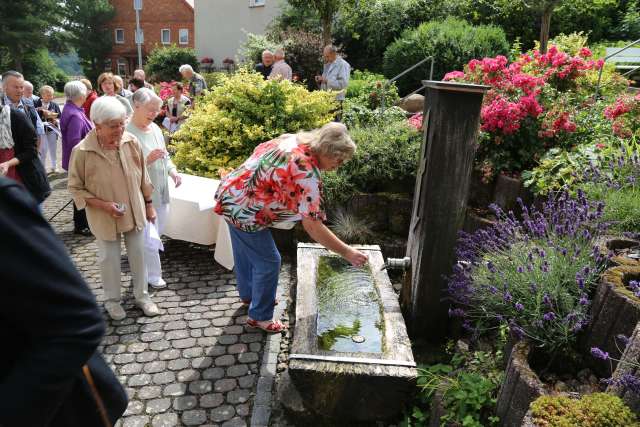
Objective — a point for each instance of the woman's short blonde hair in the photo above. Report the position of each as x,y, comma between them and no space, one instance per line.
108,76
46,88
331,140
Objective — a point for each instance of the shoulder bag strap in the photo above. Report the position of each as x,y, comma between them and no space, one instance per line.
96,396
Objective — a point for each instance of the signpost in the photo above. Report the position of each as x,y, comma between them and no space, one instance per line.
137,6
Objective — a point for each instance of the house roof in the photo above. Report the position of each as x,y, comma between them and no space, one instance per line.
189,2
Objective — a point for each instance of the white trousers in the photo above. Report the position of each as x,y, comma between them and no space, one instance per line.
152,255
110,268
49,145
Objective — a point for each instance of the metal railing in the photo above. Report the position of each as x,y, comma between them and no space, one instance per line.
408,70
617,52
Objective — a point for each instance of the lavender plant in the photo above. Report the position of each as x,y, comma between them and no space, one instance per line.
534,275
617,184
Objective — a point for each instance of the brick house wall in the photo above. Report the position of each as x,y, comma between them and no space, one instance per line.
156,15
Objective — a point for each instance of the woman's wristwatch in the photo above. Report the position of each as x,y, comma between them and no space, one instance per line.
148,202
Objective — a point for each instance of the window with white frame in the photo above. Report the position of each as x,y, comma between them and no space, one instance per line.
107,64
165,36
256,3
119,35
122,67
183,36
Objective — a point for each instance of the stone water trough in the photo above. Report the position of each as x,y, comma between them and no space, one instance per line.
351,358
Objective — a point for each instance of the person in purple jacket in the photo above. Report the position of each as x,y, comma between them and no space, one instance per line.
74,126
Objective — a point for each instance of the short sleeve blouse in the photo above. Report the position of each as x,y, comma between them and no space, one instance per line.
279,183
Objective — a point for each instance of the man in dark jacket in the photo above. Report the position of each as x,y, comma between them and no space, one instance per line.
266,66
50,327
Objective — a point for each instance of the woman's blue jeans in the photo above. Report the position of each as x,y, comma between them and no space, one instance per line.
257,266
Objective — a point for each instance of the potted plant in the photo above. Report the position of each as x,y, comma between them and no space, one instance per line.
536,276
207,63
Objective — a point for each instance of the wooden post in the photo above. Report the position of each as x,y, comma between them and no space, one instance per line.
451,125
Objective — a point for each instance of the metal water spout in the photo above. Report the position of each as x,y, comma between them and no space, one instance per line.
397,264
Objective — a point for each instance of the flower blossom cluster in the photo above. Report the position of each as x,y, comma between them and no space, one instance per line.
625,114
532,274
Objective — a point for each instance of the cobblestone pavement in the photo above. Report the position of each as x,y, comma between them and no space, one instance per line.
194,365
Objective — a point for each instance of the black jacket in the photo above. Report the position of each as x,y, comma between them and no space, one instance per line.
53,107
264,70
50,326
25,148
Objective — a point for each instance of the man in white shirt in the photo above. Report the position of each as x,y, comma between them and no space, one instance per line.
280,68
335,75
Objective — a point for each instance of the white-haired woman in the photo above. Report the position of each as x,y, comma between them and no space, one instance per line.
146,107
108,178
280,184
197,83
74,126
49,113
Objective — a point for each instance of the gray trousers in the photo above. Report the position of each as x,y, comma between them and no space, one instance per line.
110,268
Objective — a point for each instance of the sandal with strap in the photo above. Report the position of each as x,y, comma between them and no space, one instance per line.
273,327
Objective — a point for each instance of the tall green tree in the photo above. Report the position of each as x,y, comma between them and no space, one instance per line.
327,10
85,26
26,26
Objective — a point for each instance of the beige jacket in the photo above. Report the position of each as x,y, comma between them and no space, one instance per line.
89,178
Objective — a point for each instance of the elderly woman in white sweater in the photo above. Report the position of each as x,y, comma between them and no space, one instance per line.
146,106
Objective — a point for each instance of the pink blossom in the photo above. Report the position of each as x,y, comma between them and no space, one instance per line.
453,75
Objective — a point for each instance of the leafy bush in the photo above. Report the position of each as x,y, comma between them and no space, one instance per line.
214,79
386,155
616,182
244,111
531,107
532,275
40,69
592,410
468,384
355,114
251,50
366,88
304,54
452,42
163,62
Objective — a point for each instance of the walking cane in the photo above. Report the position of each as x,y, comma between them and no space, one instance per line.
61,209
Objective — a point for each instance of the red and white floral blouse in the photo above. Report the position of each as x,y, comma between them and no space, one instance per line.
279,183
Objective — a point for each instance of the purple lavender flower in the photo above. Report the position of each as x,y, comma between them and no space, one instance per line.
520,269
491,267
599,354
549,316
456,312
625,381
507,297
584,300
623,339
546,299
580,280
519,306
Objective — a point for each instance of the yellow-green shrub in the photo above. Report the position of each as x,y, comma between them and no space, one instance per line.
242,112
593,410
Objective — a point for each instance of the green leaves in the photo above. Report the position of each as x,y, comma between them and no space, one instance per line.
163,62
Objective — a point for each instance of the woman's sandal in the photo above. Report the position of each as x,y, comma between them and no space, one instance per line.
273,327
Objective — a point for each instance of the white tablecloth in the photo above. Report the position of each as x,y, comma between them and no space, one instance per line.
191,217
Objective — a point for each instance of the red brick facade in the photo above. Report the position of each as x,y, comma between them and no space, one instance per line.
156,15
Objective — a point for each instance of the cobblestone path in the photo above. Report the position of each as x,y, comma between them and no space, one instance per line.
195,364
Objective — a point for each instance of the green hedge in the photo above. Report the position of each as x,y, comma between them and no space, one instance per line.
386,159
452,42
163,62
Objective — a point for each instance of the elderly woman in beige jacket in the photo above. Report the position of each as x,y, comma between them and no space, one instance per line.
108,178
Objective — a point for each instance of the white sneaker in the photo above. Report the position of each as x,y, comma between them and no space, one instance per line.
159,284
115,310
149,307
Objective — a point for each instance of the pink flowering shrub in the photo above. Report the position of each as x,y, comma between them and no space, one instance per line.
166,90
530,107
625,115
416,121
